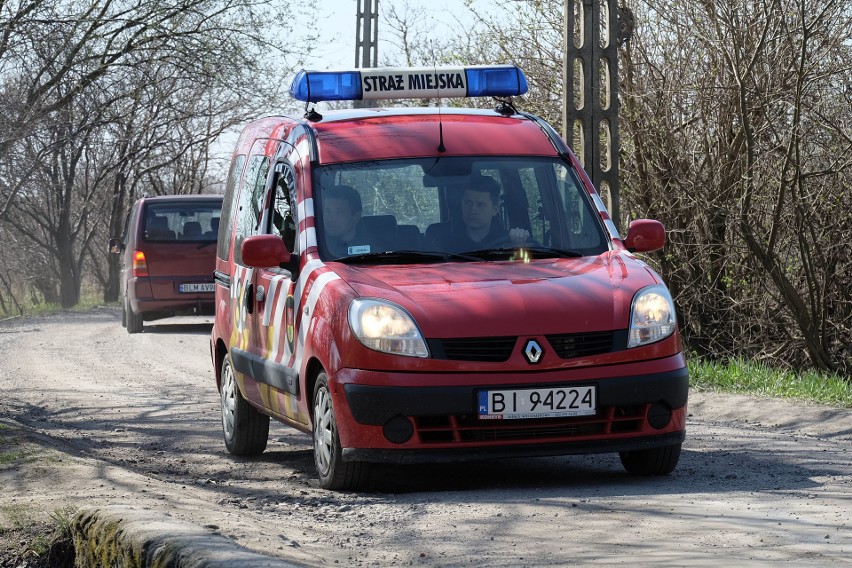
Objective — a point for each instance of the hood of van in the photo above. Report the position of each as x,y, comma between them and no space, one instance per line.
478,299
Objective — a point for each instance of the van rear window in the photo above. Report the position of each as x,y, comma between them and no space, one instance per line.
175,222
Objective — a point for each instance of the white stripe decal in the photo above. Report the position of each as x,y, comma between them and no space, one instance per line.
312,236
270,297
310,267
316,290
279,321
308,237
612,230
306,208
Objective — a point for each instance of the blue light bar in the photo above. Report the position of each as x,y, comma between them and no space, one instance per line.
409,83
494,81
326,86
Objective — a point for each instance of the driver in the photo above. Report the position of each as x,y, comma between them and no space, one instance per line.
482,227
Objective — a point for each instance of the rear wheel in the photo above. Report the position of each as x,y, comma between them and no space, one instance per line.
334,473
133,321
246,430
653,461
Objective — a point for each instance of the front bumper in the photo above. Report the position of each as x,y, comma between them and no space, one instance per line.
425,424
511,451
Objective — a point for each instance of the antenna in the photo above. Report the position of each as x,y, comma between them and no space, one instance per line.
441,147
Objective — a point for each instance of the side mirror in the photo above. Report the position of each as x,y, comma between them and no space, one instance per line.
263,251
645,235
116,246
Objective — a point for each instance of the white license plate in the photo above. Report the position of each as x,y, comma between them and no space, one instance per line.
196,287
537,403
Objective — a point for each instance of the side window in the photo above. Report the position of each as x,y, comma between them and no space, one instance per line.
223,247
125,237
552,205
538,225
249,203
284,221
582,221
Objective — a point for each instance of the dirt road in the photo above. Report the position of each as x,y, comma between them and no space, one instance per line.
92,415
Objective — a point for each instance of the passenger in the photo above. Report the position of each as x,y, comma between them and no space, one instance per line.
341,212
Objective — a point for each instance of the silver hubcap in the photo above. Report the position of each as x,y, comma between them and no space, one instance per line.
323,431
229,401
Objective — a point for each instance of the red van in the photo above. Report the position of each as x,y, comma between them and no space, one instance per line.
168,257
436,284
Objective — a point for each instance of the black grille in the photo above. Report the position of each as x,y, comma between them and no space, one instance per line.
486,349
460,429
572,345
499,349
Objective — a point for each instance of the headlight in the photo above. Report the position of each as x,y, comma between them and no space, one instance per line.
386,327
652,316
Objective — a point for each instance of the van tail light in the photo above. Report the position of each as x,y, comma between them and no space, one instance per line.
140,267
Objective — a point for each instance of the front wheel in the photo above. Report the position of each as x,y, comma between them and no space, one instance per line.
334,473
653,461
245,429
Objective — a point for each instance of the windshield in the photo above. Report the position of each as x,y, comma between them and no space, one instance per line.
455,208
196,221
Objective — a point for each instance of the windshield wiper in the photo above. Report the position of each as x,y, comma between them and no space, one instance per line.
404,256
531,251
550,252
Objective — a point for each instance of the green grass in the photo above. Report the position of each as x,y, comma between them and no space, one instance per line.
85,304
62,519
40,543
753,378
88,299
7,458
11,450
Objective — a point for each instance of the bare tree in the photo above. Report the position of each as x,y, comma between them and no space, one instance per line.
104,97
738,119
58,208
47,43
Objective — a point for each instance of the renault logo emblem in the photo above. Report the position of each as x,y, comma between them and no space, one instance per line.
533,351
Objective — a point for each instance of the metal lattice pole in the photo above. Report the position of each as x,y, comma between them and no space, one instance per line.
590,112
366,38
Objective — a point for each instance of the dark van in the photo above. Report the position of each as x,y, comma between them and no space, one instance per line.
168,257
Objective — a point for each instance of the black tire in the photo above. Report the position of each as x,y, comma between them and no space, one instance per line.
133,321
246,431
334,473
654,461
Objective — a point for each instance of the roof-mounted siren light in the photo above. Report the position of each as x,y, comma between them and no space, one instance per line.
409,83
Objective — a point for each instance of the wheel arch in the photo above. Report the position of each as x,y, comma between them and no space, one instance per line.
218,357
312,371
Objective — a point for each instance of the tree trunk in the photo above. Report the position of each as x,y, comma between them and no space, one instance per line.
112,289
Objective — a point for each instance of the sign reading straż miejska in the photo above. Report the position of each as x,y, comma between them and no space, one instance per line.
414,83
